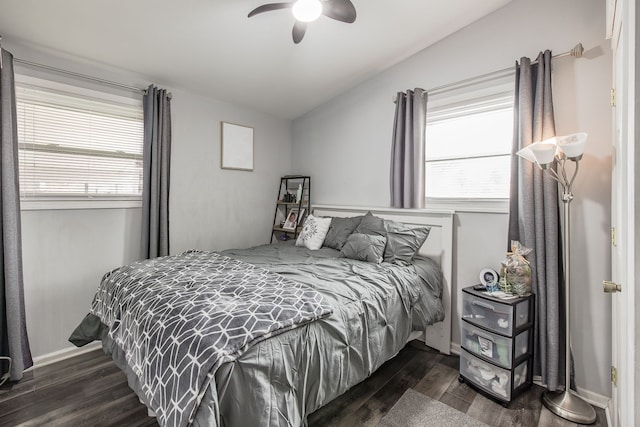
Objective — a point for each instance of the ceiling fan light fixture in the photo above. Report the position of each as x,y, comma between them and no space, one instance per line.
307,10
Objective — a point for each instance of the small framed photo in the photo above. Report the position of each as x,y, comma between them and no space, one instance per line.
489,277
293,217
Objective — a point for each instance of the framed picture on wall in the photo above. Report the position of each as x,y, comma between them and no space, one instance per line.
236,147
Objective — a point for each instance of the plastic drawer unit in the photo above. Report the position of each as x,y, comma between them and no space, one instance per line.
497,343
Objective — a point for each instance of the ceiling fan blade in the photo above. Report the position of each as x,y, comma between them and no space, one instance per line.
340,10
299,28
269,7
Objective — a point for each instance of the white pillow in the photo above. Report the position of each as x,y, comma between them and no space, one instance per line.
313,232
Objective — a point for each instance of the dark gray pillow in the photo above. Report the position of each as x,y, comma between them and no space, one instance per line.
371,224
403,242
340,230
364,247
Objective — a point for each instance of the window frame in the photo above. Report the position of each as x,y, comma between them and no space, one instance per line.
488,85
69,202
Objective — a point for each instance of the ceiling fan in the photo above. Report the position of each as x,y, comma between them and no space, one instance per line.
305,11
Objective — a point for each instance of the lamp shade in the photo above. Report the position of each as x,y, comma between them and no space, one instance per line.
544,153
573,145
307,10
529,152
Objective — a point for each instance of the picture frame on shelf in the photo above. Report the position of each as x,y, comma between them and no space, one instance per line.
293,217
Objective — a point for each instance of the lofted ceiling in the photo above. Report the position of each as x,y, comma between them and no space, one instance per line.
211,47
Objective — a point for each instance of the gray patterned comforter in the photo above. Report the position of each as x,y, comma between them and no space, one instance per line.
178,318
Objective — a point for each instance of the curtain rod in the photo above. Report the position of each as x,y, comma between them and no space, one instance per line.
576,52
82,76
71,73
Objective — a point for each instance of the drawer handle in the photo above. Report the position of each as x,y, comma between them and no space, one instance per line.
485,336
483,304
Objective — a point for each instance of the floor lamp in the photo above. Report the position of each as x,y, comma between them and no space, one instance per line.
558,150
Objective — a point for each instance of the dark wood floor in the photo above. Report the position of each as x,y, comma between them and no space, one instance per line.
89,390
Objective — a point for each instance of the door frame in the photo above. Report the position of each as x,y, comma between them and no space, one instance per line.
624,215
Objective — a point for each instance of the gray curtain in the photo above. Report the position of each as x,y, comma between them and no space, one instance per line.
14,342
156,168
534,215
407,151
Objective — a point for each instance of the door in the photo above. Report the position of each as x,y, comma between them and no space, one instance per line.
623,241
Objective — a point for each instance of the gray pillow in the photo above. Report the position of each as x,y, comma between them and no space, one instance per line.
364,247
403,242
340,230
371,224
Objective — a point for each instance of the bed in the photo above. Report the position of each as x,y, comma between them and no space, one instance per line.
353,316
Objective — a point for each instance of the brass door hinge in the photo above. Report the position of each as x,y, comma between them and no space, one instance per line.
614,375
613,97
613,236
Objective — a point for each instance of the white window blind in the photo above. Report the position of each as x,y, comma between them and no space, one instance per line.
468,142
78,144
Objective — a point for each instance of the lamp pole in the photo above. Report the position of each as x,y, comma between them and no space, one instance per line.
564,403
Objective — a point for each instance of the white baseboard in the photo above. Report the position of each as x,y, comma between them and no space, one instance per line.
455,349
593,398
65,353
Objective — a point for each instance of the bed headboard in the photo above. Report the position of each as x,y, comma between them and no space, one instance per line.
438,246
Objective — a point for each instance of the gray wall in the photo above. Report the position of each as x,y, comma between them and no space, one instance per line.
66,252
345,144
213,208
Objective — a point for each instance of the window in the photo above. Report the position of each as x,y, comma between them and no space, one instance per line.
77,144
468,141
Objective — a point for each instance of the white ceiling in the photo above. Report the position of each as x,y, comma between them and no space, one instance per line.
212,48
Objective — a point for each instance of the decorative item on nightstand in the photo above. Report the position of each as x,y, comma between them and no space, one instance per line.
496,336
294,201
515,274
489,279
556,151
